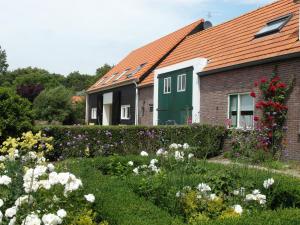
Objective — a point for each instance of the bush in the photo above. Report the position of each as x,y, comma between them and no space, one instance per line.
16,115
79,141
53,104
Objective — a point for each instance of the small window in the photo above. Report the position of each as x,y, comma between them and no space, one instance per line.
111,77
150,107
136,70
125,112
241,110
123,73
274,26
167,85
181,83
94,113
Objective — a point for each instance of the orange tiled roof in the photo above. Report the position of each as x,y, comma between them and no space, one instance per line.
149,54
234,43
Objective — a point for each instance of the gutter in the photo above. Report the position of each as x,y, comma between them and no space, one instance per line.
253,63
136,103
111,86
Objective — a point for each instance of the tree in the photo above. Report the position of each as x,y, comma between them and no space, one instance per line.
100,72
16,115
53,104
77,81
3,62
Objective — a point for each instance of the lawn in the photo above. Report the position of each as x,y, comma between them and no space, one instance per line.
126,198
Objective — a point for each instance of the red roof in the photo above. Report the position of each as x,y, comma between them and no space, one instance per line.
150,54
234,42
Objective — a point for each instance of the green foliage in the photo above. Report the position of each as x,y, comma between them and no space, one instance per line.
16,114
3,62
53,104
77,81
72,141
101,71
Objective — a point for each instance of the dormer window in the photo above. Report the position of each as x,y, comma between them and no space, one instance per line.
274,26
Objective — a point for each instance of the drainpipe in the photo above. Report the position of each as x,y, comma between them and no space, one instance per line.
87,108
298,2
136,103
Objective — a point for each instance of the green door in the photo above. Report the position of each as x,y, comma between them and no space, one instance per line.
175,96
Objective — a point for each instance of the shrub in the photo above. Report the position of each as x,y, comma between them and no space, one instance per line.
53,104
79,141
16,114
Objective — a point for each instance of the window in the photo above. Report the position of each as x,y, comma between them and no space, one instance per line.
94,113
181,83
136,70
111,77
241,107
123,73
274,26
167,85
125,112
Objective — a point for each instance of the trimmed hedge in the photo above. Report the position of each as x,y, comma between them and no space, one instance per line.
79,141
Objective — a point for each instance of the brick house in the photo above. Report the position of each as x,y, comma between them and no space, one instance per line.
220,66
114,98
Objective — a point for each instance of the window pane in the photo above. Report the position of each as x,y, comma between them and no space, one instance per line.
233,109
246,114
183,82
246,102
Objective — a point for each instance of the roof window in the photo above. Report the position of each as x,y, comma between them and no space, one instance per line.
111,77
274,26
136,70
123,73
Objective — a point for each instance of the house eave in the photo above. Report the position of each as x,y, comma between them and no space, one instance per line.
252,63
132,81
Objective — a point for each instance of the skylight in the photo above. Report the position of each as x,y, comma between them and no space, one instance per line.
274,26
136,70
111,77
123,73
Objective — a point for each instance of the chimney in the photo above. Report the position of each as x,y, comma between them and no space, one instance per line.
298,2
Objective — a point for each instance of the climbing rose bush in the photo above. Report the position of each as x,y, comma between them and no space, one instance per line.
32,192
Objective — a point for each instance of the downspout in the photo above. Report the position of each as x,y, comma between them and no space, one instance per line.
87,108
136,103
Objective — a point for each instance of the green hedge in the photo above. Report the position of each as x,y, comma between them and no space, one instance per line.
73,141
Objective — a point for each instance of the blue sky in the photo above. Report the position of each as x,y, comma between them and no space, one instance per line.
80,35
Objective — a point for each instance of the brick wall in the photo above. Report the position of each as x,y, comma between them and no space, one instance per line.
216,88
145,100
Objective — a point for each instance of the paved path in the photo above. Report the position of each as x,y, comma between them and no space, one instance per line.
288,172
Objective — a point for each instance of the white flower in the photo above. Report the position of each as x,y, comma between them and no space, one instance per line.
72,184
178,194
144,154
1,217
187,188
45,184
53,178
2,158
153,161
256,192
191,155
61,213
63,178
130,163
23,199
1,202
51,219
160,152
11,212
173,146
268,183
12,221
185,146
238,209
203,187
212,197
136,170
5,180
90,198
256,196
32,155
31,219
179,156
51,167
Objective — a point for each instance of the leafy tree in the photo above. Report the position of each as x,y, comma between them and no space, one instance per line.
77,81
53,104
30,91
101,71
3,62
16,114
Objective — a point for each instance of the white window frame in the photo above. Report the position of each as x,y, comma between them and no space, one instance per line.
180,87
93,113
126,114
122,74
167,83
239,110
111,77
